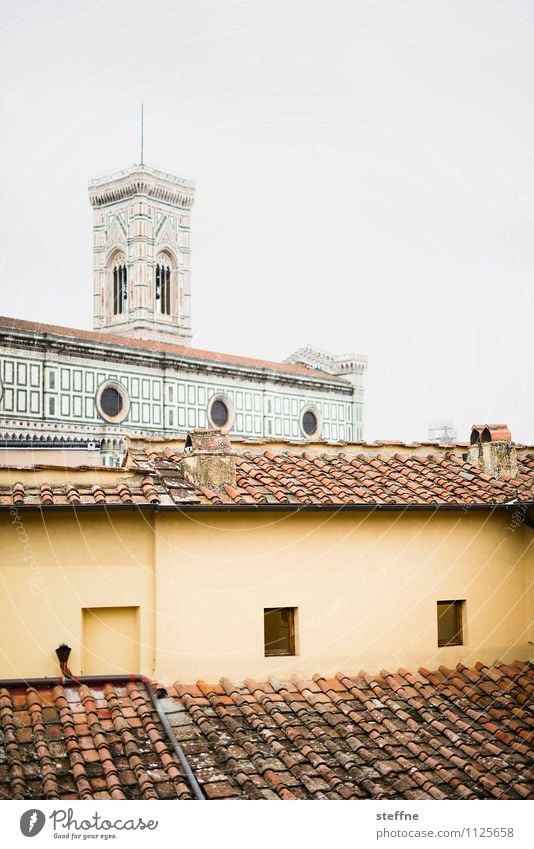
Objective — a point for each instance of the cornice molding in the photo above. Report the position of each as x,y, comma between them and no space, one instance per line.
86,349
144,180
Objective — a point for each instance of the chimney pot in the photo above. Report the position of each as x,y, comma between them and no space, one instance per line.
490,433
492,450
208,459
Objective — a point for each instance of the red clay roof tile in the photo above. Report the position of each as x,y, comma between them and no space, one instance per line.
404,735
335,479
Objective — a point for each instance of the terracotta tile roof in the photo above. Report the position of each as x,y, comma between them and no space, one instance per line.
292,479
342,478
460,734
85,743
141,492
14,324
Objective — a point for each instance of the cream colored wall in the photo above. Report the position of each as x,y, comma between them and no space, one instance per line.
110,640
71,458
527,562
60,475
50,571
366,587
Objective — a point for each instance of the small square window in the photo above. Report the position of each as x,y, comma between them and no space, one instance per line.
279,631
450,624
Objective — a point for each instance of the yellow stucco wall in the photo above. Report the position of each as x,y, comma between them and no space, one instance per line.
50,571
365,586
110,640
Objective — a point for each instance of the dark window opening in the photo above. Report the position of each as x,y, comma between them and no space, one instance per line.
279,631
120,289
450,623
219,413
309,423
111,402
163,289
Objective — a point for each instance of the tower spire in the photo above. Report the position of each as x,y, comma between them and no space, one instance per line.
142,134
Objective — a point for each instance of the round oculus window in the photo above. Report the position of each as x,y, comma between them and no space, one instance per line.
221,413
112,402
310,422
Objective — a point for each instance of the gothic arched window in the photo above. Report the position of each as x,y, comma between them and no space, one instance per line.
163,285
120,285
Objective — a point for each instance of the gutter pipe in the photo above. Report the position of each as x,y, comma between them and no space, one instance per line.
193,783
269,508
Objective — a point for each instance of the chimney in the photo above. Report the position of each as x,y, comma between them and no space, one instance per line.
492,450
208,459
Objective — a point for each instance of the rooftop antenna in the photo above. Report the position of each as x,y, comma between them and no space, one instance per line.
142,134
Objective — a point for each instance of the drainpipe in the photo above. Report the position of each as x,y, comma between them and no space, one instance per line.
63,653
193,783
119,680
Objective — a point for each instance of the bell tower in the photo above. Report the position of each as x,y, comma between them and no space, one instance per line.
141,250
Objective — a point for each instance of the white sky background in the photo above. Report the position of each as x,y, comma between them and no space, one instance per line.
364,176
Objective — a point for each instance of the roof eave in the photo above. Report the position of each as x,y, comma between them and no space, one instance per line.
271,508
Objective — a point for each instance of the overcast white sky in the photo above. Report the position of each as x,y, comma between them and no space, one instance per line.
364,180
